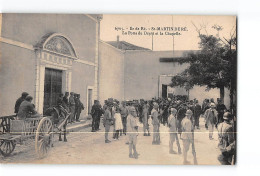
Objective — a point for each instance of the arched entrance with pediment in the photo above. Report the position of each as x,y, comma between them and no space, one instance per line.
55,55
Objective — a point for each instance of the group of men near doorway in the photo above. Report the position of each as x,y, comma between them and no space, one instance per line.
72,104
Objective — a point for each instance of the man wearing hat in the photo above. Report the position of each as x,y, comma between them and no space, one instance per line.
27,109
226,139
197,112
72,106
156,125
96,112
180,115
187,135
19,101
145,119
221,108
107,121
132,131
124,113
211,117
79,109
172,123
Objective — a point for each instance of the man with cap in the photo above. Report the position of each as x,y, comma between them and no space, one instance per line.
79,109
221,108
72,106
226,140
27,109
156,125
180,115
145,119
197,112
96,112
124,113
132,131
65,101
211,117
107,121
188,136
19,101
172,123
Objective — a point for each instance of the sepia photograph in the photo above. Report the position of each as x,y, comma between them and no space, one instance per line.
118,89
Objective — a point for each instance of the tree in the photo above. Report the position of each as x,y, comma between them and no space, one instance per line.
214,66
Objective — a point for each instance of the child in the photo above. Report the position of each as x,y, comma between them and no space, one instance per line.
118,122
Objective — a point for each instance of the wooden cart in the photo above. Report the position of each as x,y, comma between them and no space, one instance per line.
14,132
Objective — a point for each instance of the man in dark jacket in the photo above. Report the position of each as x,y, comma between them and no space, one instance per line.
65,101
19,101
79,108
221,109
27,109
72,106
197,112
96,112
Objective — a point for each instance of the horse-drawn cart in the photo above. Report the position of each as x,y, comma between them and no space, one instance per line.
14,132
42,129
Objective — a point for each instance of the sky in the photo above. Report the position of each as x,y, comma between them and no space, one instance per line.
188,40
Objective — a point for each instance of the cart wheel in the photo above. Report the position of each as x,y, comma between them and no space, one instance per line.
44,136
6,147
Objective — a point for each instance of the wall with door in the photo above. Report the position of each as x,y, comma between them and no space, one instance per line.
19,68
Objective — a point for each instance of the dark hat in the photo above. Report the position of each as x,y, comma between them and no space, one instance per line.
24,94
227,116
28,98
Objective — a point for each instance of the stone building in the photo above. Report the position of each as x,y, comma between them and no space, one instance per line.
48,54
130,72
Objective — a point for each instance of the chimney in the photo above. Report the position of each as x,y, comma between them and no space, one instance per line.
117,41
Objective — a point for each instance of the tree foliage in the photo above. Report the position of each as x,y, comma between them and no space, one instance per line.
214,66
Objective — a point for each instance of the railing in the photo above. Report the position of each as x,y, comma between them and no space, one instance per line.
5,123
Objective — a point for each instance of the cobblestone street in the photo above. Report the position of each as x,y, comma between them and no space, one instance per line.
86,147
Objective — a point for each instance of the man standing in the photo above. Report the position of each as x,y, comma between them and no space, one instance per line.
76,105
180,115
226,140
80,108
211,119
100,112
96,112
156,125
124,113
107,121
221,108
19,101
72,107
172,123
188,137
65,101
145,119
132,131
197,113
27,110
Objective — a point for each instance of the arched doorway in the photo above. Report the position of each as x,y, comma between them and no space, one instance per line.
54,58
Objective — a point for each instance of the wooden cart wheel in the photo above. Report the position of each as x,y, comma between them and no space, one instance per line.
6,147
44,137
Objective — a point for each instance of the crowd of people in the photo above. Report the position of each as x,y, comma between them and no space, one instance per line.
181,116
